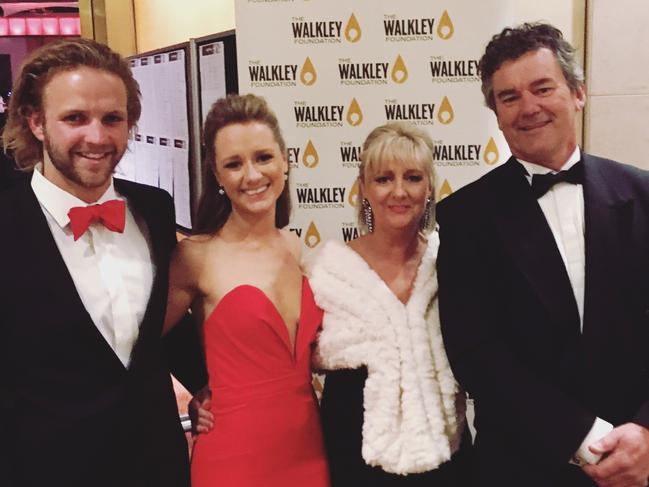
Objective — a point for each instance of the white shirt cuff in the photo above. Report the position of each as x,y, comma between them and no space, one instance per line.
598,431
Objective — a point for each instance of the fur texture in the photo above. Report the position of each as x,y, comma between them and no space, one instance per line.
414,409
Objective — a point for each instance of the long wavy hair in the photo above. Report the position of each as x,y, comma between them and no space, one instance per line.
214,208
37,70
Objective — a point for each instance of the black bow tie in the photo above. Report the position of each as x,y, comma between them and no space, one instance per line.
541,183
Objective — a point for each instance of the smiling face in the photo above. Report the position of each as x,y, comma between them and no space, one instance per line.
250,166
397,192
536,108
84,130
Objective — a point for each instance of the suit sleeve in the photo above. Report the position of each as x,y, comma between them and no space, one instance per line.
7,405
6,475
182,346
184,352
529,413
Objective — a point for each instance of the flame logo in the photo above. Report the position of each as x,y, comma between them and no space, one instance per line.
353,29
445,27
308,75
491,154
354,113
444,191
445,113
312,237
310,158
353,194
399,71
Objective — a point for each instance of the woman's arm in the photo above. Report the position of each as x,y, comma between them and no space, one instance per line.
183,280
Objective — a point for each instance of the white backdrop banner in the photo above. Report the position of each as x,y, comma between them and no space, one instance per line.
333,70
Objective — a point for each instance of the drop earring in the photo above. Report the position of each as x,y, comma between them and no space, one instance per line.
425,219
367,215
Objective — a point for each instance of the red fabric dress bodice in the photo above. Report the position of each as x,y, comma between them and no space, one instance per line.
266,420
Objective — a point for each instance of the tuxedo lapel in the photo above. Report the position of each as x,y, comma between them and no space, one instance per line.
59,293
155,219
526,234
142,207
608,221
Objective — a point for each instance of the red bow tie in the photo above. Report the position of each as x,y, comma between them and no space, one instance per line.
112,214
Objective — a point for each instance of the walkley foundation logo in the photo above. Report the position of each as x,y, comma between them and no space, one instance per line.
352,199
444,191
465,155
372,73
350,155
311,237
349,231
320,197
280,75
491,155
310,157
307,156
453,70
325,31
408,29
320,116
420,113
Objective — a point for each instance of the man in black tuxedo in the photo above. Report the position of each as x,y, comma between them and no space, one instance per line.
544,285
85,395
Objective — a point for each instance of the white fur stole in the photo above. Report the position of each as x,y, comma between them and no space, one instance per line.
414,409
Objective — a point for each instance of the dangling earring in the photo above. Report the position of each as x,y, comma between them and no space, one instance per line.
221,190
286,176
367,216
425,219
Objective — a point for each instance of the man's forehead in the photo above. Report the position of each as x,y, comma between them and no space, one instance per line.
532,66
83,73
68,85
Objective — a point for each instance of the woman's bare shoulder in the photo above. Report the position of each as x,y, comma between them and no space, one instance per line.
293,242
192,252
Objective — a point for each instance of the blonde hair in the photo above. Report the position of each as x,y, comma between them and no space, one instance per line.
400,142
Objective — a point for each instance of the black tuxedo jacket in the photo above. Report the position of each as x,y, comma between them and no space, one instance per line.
72,414
511,325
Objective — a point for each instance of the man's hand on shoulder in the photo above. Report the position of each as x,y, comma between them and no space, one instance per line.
626,457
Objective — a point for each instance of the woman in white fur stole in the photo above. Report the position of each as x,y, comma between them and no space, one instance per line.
392,412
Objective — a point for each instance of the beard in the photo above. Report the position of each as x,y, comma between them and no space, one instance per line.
77,173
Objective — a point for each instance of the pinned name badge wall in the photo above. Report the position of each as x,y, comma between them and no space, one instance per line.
333,70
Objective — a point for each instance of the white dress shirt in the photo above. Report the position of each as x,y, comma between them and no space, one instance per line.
112,272
563,207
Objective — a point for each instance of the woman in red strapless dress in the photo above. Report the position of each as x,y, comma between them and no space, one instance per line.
240,275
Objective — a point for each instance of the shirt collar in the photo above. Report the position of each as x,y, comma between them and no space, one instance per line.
57,202
532,168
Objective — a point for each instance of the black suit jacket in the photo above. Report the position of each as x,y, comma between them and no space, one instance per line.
511,324
72,414
9,175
